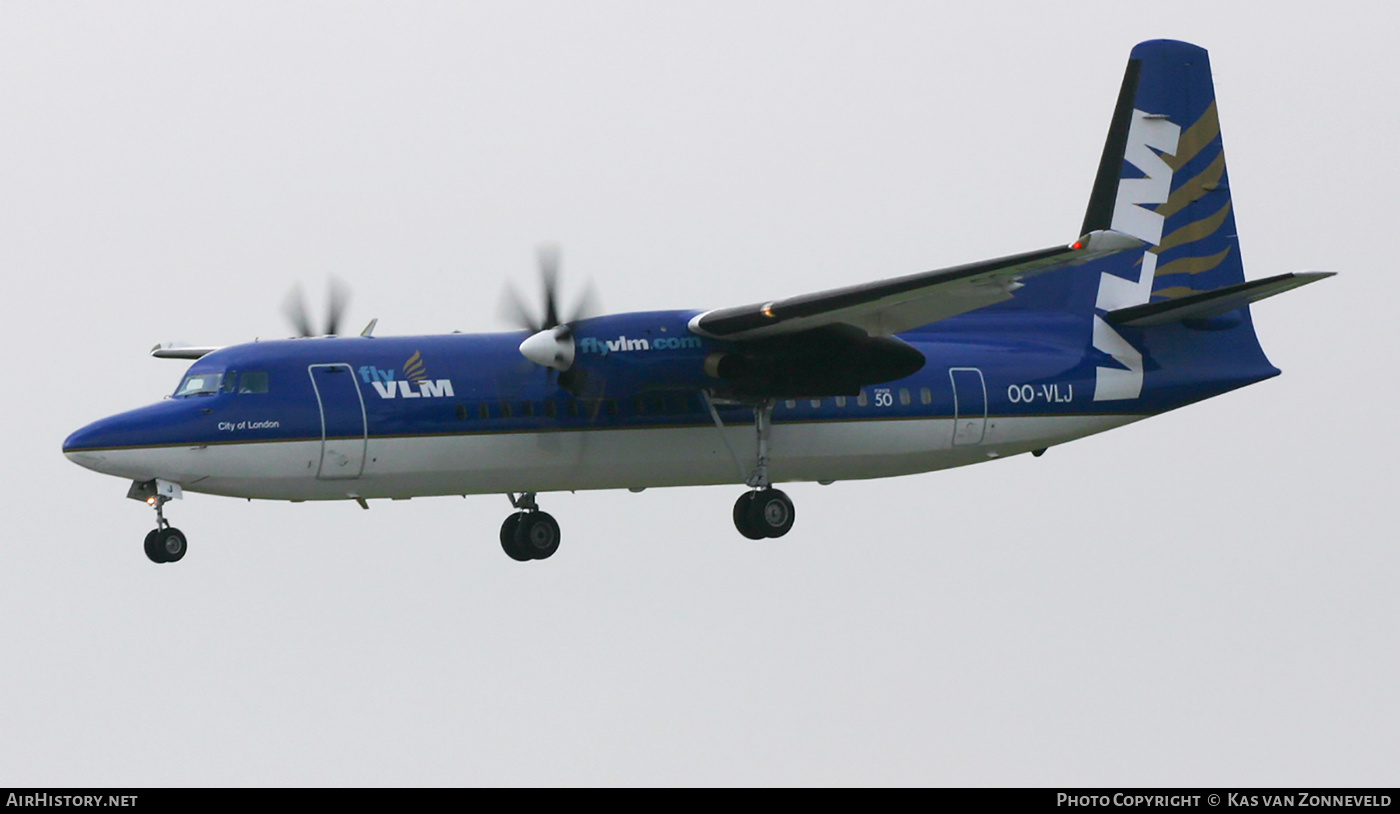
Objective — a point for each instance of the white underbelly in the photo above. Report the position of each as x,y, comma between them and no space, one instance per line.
594,459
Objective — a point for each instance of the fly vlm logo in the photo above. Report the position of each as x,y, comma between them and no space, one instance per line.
414,376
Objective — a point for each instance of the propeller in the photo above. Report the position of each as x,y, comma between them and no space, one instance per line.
337,298
551,340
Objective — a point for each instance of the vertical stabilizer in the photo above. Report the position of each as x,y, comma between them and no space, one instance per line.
1162,180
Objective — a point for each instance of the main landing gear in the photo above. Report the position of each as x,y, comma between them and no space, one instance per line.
529,534
164,543
764,512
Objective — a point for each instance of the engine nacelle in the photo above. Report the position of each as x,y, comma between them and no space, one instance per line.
625,354
834,360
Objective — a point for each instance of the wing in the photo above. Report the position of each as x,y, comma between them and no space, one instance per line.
169,351
892,306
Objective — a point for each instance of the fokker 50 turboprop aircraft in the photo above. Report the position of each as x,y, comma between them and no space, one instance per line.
1147,311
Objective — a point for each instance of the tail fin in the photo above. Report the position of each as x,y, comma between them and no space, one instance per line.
1162,179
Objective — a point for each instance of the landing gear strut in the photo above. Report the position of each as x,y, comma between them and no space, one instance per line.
529,534
164,543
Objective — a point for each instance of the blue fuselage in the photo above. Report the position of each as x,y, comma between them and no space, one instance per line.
341,417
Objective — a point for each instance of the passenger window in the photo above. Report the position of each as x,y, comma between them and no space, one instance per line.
904,395
550,409
862,399
816,404
925,396
840,401
483,411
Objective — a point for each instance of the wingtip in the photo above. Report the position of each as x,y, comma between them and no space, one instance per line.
166,350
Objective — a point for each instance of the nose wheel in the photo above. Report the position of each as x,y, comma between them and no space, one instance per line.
166,545
529,534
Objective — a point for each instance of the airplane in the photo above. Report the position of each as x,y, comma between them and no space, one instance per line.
1146,311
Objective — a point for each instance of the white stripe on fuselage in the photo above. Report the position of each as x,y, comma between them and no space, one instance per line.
595,459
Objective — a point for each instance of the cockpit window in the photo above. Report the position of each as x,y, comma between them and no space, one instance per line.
252,381
200,384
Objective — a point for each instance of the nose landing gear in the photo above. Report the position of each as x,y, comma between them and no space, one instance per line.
164,543
529,534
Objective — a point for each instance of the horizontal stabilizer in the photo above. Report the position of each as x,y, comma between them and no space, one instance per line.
1207,304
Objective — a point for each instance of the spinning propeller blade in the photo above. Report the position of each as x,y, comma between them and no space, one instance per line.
337,300
294,308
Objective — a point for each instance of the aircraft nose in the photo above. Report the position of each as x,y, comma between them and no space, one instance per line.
114,445
86,446
84,438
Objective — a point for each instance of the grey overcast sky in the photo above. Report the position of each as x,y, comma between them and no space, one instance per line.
1204,598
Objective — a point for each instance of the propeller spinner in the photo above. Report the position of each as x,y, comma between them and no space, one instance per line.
552,348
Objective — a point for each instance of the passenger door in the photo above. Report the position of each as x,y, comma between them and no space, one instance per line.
343,425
